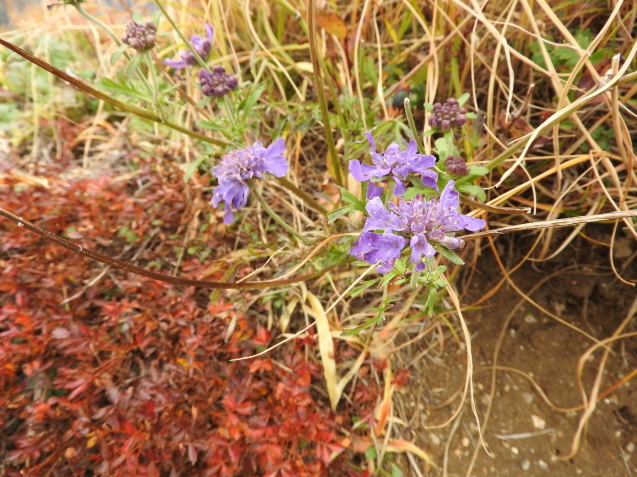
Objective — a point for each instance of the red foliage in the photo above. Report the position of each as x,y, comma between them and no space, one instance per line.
133,377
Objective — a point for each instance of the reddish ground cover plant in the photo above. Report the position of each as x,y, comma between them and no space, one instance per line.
133,377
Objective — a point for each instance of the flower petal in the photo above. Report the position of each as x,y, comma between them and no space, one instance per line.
449,197
399,187
420,248
210,32
430,179
471,223
373,248
361,172
379,216
373,190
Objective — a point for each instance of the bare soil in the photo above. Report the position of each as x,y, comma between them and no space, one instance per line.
525,435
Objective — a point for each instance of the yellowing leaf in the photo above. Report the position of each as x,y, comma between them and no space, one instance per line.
333,24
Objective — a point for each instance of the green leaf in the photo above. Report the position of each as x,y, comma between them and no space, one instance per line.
448,254
138,17
471,115
205,101
395,471
351,199
191,167
478,170
156,18
472,190
214,124
134,64
429,107
119,52
335,214
250,100
110,85
464,98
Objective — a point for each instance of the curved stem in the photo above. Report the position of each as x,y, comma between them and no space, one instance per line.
278,219
152,274
320,91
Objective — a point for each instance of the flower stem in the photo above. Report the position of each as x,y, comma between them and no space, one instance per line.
187,43
278,219
412,126
302,195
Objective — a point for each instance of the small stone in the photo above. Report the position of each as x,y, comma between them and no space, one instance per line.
528,397
514,450
542,465
530,319
538,422
630,447
465,442
434,439
526,465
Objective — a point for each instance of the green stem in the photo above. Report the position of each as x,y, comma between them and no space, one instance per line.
302,195
320,90
278,219
187,43
153,76
412,126
111,33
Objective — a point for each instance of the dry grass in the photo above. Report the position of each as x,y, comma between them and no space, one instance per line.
547,136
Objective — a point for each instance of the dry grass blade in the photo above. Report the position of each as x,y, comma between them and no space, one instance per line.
326,348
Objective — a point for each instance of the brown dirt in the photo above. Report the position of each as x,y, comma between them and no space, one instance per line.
585,293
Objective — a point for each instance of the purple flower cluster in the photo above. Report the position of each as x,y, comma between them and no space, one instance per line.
394,163
456,166
140,37
448,115
201,45
241,165
417,223
217,83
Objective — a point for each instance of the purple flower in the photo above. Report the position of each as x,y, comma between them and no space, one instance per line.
420,221
456,166
241,165
394,163
200,45
217,83
448,115
141,37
